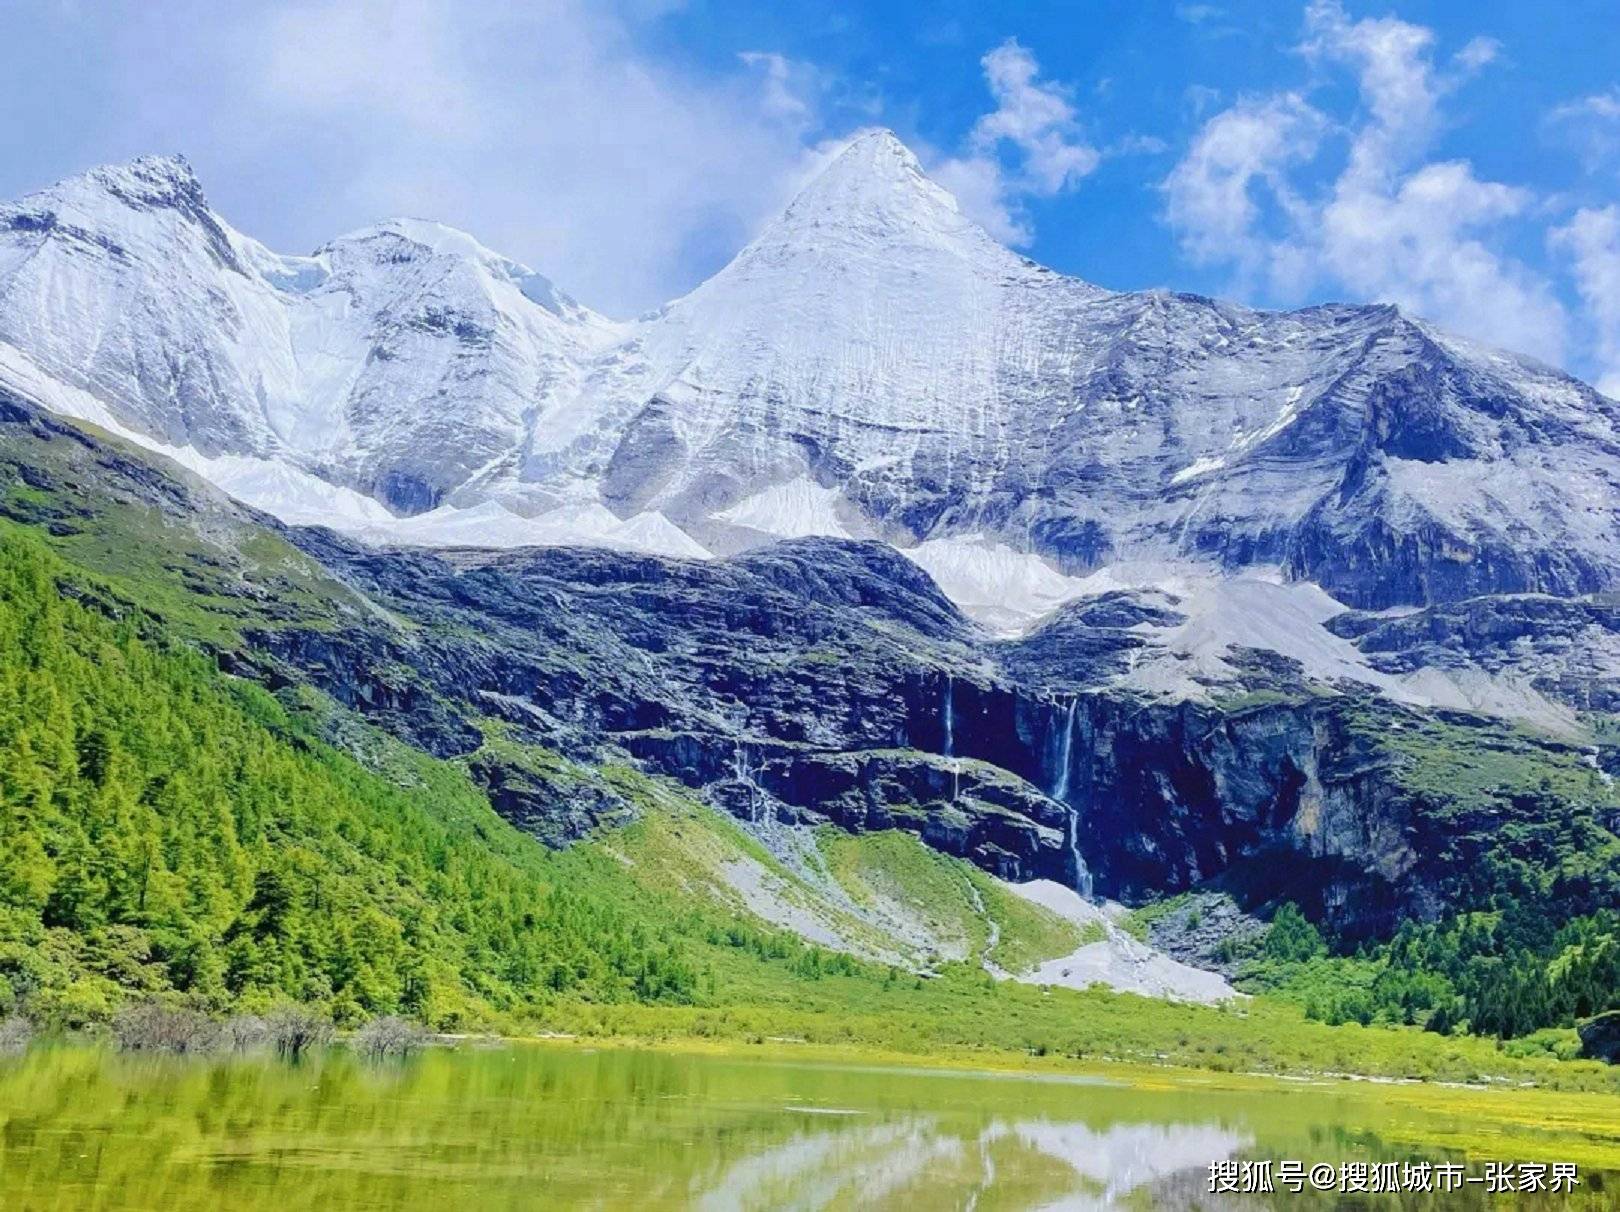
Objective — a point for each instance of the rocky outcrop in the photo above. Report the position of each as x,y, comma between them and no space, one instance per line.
1566,648
1600,1038
1208,930
824,681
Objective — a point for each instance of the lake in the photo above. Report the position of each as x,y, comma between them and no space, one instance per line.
536,1126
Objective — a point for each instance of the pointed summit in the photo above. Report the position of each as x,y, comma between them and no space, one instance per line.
153,203
875,187
402,241
142,183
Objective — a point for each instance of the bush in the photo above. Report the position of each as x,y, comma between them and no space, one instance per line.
294,1030
151,1027
15,1034
245,1032
1292,937
1551,1043
389,1036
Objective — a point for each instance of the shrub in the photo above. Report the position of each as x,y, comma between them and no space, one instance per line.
245,1032
15,1034
152,1027
389,1035
1292,937
294,1030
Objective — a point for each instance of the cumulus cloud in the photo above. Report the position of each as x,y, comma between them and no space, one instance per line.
1030,145
548,130
1393,63
1211,193
1391,226
1591,124
1591,241
1034,117
1421,245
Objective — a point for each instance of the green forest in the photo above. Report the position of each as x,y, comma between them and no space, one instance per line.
167,829
1506,972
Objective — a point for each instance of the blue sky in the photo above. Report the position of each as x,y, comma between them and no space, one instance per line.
1460,159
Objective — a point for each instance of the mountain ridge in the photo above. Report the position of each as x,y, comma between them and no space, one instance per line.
872,365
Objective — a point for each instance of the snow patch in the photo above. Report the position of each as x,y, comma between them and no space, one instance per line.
794,509
1003,589
491,524
296,497
1119,961
302,499
1197,468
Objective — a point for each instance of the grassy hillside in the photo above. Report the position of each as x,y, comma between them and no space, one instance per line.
168,831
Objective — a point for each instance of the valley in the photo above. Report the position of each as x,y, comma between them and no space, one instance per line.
1185,685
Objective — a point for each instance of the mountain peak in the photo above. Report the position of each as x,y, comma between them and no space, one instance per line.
432,238
143,183
149,181
118,203
873,150
382,243
876,184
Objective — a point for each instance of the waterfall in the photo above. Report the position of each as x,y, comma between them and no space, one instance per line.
1082,873
1060,785
1060,793
949,714
744,774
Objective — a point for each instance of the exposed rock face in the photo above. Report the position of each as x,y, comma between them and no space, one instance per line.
827,680
1600,1038
1568,649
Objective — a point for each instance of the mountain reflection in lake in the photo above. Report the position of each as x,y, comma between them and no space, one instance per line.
880,1163
532,1126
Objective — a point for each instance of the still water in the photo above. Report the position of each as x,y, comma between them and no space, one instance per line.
532,1126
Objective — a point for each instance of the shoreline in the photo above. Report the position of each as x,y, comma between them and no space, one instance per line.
1511,1122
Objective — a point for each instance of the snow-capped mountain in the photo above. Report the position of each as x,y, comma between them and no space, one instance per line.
396,360
872,365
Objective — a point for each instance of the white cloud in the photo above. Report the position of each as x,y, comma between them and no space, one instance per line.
1420,245
786,84
1592,125
1390,227
1211,192
1605,106
544,129
1036,118
1034,126
985,195
1591,241
1477,53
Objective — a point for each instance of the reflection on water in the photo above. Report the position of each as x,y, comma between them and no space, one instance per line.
873,1164
528,1127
